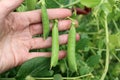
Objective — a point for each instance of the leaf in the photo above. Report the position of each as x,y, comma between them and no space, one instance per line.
82,44
29,67
41,73
22,8
85,70
90,3
112,2
113,41
64,2
93,60
51,4
116,69
100,43
118,38
7,79
80,61
106,7
58,77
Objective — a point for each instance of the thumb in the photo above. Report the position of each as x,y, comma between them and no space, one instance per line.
9,5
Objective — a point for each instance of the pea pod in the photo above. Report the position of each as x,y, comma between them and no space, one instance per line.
31,4
55,44
63,66
71,59
45,20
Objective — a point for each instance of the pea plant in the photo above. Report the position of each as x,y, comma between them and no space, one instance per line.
94,57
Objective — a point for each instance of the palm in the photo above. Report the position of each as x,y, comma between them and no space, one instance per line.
16,40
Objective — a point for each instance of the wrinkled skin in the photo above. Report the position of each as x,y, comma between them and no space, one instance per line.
17,31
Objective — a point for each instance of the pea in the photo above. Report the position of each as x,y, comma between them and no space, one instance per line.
45,20
71,59
55,44
31,4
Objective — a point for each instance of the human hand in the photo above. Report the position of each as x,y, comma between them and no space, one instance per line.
17,30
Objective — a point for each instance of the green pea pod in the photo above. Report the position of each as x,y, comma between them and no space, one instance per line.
55,44
45,20
62,66
31,4
71,49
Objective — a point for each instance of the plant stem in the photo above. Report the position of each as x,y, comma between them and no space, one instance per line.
70,1
103,49
60,5
90,33
66,78
71,4
107,50
66,67
74,78
116,26
93,51
97,20
116,57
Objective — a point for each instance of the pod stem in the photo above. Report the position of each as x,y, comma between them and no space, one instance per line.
41,2
73,21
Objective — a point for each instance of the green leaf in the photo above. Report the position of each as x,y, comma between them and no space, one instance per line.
22,8
64,2
58,77
113,41
31,66
41,72
31,4
90,3
107,8
93,60
82,44
116,69
7,79
118,38
112,2
51,4
85,70
56,3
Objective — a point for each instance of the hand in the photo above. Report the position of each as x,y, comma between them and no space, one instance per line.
17,30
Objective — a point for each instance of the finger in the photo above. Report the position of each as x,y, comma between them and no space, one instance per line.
62,54
62,25
36,43
9,5
35,16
